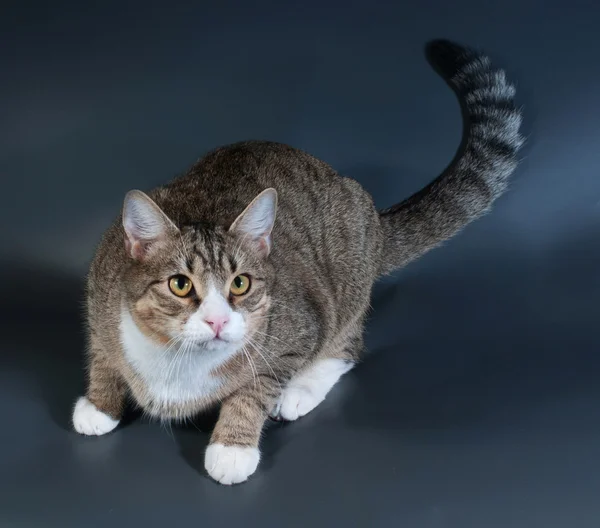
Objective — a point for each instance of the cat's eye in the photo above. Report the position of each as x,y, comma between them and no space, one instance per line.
180,285
240,285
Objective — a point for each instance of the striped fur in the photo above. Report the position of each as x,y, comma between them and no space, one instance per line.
477,177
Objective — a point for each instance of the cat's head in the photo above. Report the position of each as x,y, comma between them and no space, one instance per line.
197,285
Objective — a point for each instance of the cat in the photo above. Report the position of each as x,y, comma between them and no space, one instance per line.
245,282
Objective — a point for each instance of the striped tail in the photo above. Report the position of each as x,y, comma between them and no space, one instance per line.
479,173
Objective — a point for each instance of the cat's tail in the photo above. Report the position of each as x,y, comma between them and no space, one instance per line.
480,172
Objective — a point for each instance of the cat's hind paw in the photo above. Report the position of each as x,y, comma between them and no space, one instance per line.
294,403
308,388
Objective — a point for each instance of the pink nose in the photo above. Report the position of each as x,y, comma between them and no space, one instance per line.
217,323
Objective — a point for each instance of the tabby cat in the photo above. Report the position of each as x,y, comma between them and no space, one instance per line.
245,282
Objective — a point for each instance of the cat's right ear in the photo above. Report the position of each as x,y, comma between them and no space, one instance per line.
144,224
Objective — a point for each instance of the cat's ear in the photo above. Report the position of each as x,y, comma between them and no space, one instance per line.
256,222
144,224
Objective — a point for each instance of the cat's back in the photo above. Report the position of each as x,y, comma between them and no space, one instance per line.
320,213
312,195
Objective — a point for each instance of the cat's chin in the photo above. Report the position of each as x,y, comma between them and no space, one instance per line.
218,344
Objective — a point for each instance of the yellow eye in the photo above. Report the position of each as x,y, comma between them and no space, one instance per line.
180,285
240,285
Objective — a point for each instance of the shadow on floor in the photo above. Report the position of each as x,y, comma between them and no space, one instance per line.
42,328
484,340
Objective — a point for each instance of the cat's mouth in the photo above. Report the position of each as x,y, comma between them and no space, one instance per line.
214,343
219,337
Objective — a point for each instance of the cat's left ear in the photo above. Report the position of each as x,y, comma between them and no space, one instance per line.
144,223
257,220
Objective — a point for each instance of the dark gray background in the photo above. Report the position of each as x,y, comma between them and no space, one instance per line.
478,404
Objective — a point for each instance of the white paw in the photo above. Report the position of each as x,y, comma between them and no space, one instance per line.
88,420
308,388
295,402
231,464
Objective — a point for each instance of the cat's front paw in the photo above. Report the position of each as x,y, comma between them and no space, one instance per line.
231,464
88,420
295,402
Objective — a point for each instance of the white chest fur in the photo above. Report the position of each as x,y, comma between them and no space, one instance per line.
175,375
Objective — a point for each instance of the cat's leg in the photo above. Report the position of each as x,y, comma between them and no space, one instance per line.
309,387
101,409
312,383
233,453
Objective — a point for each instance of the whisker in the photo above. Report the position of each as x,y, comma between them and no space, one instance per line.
256,347
270,336
252,366
275,357
179,363
173,342
173,362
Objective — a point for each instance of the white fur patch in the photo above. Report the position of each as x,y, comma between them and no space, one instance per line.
88,420
176,375
231,464
214,306
308,388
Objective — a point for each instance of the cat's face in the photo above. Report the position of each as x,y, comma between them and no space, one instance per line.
199,286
